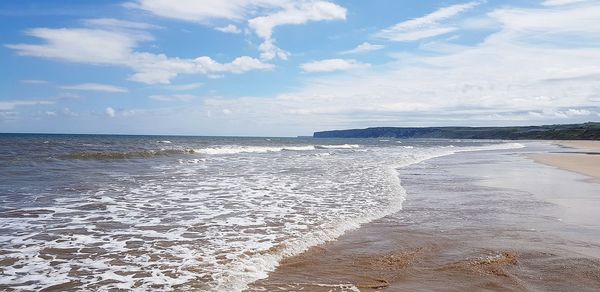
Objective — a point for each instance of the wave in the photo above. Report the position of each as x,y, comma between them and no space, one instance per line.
217,150
237,274
222,150
250,149
229,150
126,155
503,146
258,267
343,146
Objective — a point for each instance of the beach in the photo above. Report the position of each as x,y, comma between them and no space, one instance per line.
489,220
307,145
581,157
102,212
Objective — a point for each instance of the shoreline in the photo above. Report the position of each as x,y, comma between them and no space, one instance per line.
470,221
584,159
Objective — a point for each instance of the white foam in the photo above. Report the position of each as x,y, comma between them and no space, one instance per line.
343,146
250,149
228,220
190,161
501,146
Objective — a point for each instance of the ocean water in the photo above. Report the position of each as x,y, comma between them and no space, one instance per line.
100,212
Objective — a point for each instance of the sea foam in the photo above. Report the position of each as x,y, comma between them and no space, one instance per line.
216,222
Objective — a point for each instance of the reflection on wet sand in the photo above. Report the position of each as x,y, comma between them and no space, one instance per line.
463,228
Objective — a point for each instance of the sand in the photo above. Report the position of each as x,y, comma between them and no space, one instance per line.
593,146
472,221
579,156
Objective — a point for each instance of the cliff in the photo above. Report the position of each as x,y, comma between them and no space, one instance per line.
586,131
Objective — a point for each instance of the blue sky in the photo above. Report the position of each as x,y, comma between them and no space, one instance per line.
285,68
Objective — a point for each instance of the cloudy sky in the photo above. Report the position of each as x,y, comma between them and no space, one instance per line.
285,68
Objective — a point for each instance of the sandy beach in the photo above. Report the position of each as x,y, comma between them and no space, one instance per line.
581,156
492,220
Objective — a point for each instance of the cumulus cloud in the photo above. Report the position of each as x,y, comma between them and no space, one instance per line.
154,69
330,65
300,13
110,112
363,48
95,87
262,15
426,26
527,71
230,28
536,66
106,47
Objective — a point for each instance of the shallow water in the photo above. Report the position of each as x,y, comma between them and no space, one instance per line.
102,212
475,221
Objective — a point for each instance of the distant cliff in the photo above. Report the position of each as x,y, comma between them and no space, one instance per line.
586,131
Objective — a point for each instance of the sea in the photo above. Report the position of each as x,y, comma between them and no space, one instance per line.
104,212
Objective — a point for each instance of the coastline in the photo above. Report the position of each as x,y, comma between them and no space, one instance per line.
480,220
582,157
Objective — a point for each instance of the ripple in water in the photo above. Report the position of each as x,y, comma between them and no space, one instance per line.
215,222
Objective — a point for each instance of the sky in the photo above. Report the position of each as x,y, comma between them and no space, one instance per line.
287,68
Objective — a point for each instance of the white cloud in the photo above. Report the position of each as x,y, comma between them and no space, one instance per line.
578,112
95,87
230,28
205,10
154,69
12,104
175,97
536,66
481,22
110,112
68,112
300,13
529,71
555,23
561,2
103,47
185,87
363,48
426,26
330,65
80,45
262,15
118,23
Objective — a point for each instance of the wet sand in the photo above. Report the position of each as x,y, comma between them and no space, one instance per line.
491,221
581,156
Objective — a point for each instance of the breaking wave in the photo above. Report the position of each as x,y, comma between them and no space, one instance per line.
217,150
